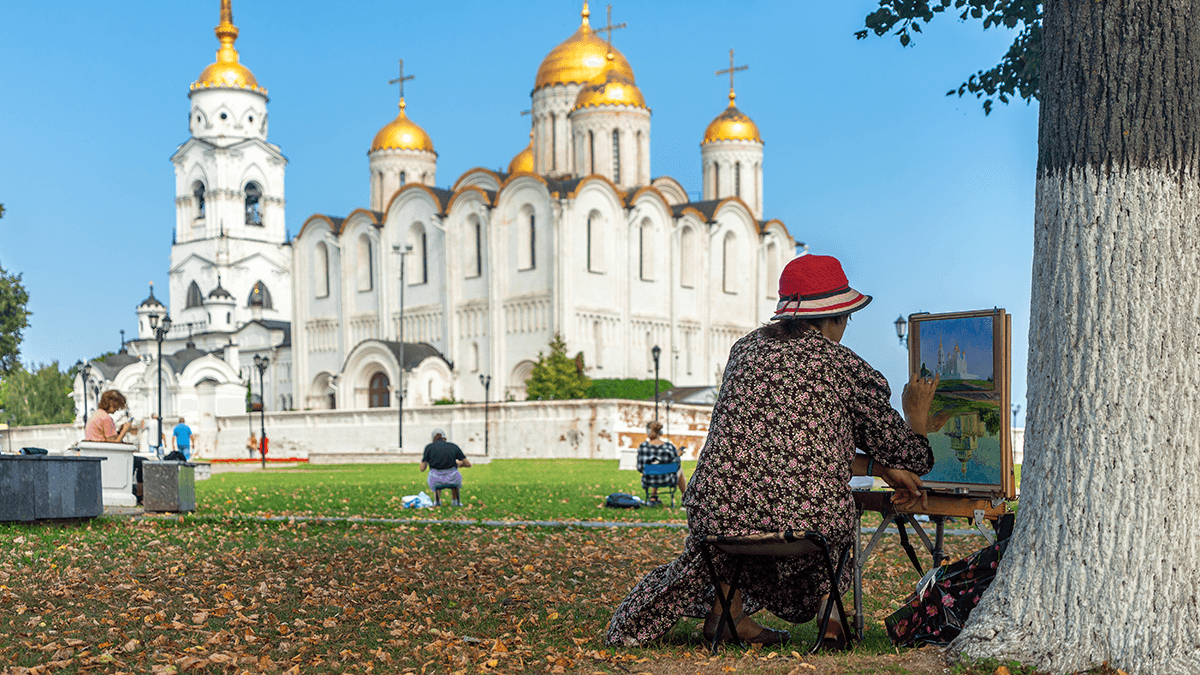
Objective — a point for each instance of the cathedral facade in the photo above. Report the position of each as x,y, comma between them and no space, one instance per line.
576,237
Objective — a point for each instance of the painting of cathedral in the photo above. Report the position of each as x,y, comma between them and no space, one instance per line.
969,414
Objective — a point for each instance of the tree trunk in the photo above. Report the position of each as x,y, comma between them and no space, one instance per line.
1104,563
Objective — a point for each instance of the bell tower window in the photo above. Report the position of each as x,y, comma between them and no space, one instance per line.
194,298
616,143
198,195
253,204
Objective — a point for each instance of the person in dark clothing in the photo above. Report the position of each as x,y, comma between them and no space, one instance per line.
443,460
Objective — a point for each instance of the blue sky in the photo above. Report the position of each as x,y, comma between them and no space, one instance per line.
866,158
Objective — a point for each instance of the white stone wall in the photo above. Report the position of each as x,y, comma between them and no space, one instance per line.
740,173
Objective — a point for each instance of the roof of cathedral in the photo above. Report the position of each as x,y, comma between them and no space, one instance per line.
180,359
226,72
414,352
113,365
579,58
402,134
610,87
707,208
523,162
219,292
731,125
151,301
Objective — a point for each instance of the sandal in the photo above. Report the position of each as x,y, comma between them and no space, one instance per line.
765,637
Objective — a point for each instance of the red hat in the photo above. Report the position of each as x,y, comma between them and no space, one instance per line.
814,287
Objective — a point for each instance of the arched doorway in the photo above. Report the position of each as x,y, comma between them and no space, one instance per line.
378,395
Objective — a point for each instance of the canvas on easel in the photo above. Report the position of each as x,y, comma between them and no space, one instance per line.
969,429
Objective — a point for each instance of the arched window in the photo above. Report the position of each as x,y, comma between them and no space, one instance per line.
403,179
419,261
591,153
553,143
478,248
474,357
321,269
616,142
365,265
473,253
716,181
194,298
259,295
253,204
526,239
729,264
687,258
377,394
737,179
595,250
198,195
424,257
645,268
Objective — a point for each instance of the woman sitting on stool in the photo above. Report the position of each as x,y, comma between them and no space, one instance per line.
443,459
658,450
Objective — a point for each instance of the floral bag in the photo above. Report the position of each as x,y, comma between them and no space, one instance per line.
944,599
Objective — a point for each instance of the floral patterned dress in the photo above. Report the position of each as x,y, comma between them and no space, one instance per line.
778,455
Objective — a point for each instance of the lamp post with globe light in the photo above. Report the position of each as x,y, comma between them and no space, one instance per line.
656,352
901,330
486,381
261,363
161,328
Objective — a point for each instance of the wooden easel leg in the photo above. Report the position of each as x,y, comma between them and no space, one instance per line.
859,619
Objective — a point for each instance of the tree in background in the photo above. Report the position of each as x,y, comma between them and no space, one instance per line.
555,375
41,396
1017,74
14,317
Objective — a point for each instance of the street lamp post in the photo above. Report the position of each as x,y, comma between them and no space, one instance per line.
261,362
403,252
486,381
656,352
901,329
160,332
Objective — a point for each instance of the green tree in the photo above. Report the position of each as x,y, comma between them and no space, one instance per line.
556,376
41,396
1019,70
14,317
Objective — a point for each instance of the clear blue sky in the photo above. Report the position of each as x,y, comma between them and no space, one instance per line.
928,203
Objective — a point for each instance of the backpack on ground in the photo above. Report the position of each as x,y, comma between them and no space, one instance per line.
620,500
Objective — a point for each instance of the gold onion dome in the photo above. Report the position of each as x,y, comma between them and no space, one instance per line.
731,125
579,59
227,73
610,87
402,134
523,162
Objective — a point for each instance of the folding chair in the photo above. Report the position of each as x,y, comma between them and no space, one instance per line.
437,493
656,476
780,544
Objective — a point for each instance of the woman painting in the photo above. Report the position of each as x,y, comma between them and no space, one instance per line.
793,407
100,427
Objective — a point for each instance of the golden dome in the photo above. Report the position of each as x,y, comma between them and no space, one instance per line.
731,125
402,134
227,73
523,162
610,87
579,59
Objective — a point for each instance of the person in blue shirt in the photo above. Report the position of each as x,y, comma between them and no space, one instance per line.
182,439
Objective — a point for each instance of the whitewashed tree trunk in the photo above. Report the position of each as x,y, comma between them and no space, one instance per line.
1104,563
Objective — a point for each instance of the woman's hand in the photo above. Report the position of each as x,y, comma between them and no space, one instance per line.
909,494
917,399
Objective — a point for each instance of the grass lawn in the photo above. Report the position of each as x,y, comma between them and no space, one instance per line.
219,592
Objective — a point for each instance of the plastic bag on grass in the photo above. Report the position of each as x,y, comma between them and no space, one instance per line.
417,501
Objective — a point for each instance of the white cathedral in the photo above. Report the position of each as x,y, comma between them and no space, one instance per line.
576,238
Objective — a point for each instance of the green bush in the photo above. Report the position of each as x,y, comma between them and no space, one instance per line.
638,390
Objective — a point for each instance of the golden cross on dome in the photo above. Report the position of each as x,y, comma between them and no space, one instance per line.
401,80
609,28
730,71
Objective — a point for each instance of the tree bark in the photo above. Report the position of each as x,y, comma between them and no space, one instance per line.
1104,563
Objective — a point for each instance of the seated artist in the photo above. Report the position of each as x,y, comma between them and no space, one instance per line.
658,450
443,460
793,406
101,428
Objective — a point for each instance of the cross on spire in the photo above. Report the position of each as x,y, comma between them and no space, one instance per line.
609,27
401,80
730,71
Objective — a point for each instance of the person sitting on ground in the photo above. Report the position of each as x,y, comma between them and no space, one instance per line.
779,454
443,460
658,450
181,438
100,428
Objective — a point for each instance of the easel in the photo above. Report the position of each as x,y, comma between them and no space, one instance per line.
938,508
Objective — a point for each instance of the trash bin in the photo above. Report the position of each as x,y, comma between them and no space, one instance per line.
169,486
